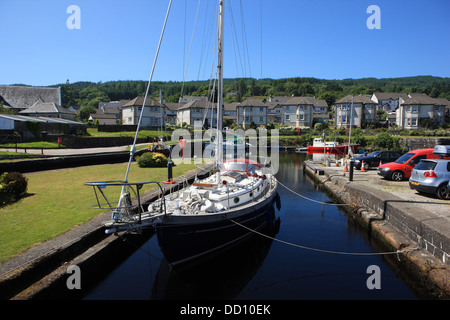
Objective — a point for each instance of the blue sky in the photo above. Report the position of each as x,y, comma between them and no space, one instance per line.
326,39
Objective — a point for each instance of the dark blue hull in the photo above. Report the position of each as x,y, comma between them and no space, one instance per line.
182,241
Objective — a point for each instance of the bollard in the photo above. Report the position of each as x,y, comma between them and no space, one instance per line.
350,172
169,172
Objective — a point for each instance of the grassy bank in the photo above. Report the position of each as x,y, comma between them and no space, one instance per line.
58,200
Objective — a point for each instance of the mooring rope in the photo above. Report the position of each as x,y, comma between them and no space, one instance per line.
326,251
320,202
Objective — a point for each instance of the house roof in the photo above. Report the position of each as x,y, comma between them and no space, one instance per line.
356,99
139,101
196,104
390,95
5,103
230,106
43,107
22,97
298,101
39,119
251,102
423,99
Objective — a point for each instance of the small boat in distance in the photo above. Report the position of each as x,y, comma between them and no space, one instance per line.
329,146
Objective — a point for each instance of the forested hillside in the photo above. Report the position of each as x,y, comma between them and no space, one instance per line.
89,94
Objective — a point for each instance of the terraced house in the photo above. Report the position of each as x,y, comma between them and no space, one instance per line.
362,113
251,112
298,112
421,111
152,116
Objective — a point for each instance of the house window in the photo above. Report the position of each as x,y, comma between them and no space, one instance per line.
437,108
344,107
414,122
287,117
247,119
261,109
344,119
261,119
412,108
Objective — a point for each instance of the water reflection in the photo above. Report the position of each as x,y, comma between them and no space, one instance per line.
220,277
261,268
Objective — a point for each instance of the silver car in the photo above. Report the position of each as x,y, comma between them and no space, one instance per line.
432,176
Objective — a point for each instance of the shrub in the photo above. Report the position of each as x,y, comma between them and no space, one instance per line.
152,160
385,141
12,186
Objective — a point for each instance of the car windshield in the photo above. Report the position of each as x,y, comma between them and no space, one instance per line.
426,165
404,158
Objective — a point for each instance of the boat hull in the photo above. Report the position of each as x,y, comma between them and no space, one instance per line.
183,239
342,149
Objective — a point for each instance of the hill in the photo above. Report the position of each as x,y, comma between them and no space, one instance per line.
89,94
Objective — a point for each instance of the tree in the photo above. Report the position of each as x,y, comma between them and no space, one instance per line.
84,112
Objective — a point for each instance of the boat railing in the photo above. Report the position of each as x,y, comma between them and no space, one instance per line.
124,207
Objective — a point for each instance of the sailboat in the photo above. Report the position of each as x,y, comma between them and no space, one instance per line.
208,215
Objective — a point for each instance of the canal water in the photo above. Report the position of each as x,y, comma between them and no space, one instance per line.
293,266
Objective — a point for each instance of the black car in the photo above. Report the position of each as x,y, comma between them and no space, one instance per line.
373,159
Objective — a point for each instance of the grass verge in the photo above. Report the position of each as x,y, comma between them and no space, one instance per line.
58,200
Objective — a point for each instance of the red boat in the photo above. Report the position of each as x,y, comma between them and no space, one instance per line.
330,146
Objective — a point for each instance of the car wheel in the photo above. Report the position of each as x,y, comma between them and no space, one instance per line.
443,192
397,176
366,166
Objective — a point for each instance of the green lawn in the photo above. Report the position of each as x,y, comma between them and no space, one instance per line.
58,200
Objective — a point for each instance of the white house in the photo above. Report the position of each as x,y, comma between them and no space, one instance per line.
251,111
153,113
198,111
388,101
298,112
420,111
364,111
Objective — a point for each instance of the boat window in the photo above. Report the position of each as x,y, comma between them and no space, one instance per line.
236,200
404,158
251,168
236,166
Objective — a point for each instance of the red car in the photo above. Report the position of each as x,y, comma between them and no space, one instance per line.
402,167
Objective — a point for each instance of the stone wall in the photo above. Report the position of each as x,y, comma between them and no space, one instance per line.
422,143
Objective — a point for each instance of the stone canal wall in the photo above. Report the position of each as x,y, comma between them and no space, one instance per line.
421,234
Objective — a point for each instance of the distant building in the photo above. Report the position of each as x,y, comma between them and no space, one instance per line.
48,109
298,112
421,111
230,112
152,116
19,98
388,101
363,112
197,112
251,111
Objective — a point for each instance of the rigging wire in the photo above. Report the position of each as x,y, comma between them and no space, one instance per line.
302,196
133,148
190,48
326,251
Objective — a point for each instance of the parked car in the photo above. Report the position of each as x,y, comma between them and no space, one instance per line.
373,159
401,169
432,176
